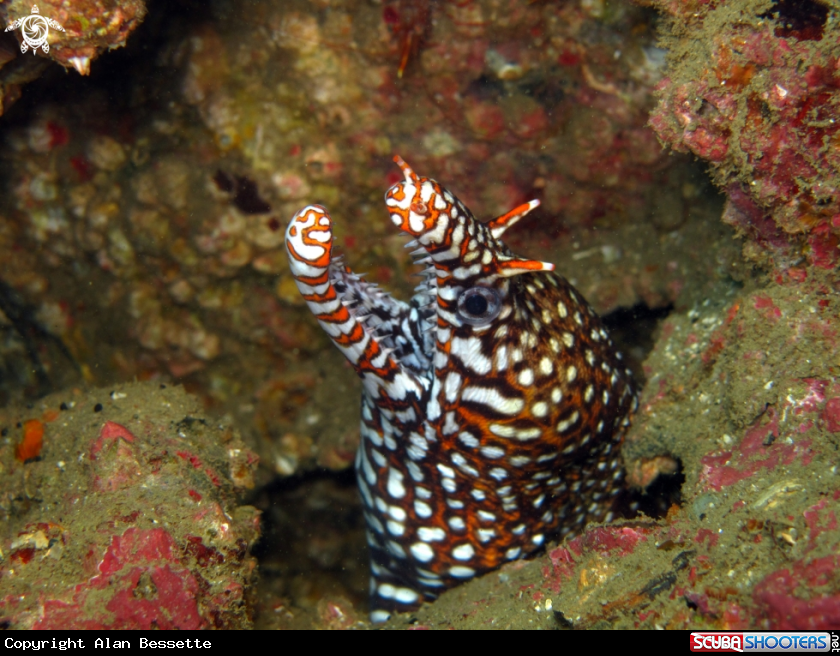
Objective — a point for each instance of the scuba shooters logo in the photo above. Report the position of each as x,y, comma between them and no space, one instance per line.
785,642
717,642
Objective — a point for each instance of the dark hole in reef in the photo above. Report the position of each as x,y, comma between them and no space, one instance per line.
246,195
247,198
632,330
663,493
800,19
485,88
707,109
563,621
549,90
24,367
224,182
313,541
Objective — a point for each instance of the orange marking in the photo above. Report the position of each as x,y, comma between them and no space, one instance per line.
318,263
50,415
340,315
382,372
329,295
353,337
33,438
524,265
516,212
322,261
406,169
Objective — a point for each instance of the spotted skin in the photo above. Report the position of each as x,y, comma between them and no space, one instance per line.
494,404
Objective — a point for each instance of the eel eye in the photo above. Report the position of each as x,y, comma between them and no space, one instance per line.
478,306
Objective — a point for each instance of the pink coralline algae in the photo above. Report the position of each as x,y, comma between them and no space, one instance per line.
791,600
757,450
754,91
151,555
115,462
594,545
831,415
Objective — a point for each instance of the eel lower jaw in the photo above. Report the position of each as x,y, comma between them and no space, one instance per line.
362,299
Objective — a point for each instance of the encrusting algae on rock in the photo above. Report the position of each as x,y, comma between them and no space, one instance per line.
121,510
493,404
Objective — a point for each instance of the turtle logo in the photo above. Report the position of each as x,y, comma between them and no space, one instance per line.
35,29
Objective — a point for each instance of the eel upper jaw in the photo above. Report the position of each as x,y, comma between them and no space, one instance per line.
423,209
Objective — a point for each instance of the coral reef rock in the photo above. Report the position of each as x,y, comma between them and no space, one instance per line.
119,512
752,88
